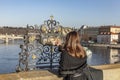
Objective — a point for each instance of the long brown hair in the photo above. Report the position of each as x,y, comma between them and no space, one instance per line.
73,46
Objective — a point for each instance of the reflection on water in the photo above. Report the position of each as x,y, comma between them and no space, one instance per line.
114,56
9,56
102,55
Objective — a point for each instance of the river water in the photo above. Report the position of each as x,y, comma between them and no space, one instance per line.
100,55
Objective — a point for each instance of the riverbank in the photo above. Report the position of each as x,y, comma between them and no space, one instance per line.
103,45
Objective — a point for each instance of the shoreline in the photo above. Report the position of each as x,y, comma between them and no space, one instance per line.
102,45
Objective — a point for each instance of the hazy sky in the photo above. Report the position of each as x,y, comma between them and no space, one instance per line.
68,12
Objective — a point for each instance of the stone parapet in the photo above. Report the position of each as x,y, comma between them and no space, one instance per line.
110,72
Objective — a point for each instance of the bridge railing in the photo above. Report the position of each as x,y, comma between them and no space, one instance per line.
39,49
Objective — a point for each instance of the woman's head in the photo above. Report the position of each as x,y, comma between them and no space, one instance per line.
72,44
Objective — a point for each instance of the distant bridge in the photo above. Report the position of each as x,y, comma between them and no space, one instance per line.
7,37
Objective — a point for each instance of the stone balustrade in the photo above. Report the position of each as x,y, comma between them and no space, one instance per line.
110,72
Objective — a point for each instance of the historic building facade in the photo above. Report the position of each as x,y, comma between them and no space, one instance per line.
108,34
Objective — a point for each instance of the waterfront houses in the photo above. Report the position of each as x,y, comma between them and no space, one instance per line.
100,34
108,34
118,37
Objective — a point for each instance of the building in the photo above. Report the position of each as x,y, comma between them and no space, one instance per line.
118,37
89,33
108,34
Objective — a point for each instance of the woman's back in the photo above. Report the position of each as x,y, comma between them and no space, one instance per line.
73,61
69,62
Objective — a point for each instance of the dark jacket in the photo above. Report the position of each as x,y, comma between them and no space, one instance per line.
72,68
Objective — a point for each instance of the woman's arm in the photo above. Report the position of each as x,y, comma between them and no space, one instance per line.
61,68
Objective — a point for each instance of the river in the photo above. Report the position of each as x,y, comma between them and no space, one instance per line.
100,55
9,57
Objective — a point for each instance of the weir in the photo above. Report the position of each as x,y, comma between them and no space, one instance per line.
7,37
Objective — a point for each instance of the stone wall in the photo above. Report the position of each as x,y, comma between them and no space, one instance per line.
110,72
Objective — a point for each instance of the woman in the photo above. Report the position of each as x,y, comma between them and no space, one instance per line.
73,62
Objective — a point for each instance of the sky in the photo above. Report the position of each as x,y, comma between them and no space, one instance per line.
73,13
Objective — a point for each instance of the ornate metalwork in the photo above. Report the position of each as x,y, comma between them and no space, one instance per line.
39,49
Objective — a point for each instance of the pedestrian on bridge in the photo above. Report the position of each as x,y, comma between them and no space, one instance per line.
73,61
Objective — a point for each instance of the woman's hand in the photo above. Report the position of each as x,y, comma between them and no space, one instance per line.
58,42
